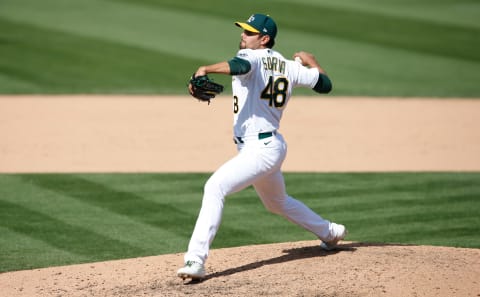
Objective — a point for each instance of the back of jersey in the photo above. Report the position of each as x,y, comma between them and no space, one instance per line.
261,95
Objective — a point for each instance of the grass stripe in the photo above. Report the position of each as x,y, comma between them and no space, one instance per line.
101,221
104,222
329,186
129,204
387,30
170,216
144,71
125,23
58,234
430,236
20,251
51,62
55,210
130,47
454,12
413,35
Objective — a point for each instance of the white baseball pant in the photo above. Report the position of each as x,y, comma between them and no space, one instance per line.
257,163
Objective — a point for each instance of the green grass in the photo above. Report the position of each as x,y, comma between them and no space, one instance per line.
373,47
56,219
100,67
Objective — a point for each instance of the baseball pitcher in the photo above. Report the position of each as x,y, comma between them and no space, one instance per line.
262,84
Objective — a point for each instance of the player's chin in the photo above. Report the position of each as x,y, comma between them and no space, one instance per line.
242,45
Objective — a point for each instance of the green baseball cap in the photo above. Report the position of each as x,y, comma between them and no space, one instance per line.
260,23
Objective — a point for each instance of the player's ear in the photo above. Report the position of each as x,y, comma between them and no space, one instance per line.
265,39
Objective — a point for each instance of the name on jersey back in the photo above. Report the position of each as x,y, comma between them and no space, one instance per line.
273,63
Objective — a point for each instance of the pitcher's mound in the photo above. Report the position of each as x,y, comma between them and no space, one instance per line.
286,269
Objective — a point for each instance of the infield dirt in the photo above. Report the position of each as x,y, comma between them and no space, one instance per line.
176,134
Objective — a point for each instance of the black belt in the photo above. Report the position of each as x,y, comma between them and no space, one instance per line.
262,135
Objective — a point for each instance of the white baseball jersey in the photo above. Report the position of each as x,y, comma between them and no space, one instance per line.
261,95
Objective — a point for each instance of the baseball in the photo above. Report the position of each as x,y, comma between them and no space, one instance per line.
298,60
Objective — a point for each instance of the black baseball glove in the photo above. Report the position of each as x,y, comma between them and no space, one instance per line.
203,88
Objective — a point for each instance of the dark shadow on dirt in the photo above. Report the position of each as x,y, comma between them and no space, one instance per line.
292,255
289,255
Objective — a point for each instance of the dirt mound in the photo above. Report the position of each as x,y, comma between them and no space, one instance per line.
286,269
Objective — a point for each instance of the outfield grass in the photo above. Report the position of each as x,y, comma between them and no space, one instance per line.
372,47
56,219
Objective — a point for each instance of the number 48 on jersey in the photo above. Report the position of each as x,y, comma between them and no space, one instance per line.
276,91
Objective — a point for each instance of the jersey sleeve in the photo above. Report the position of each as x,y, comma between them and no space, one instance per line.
306,77
239,66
